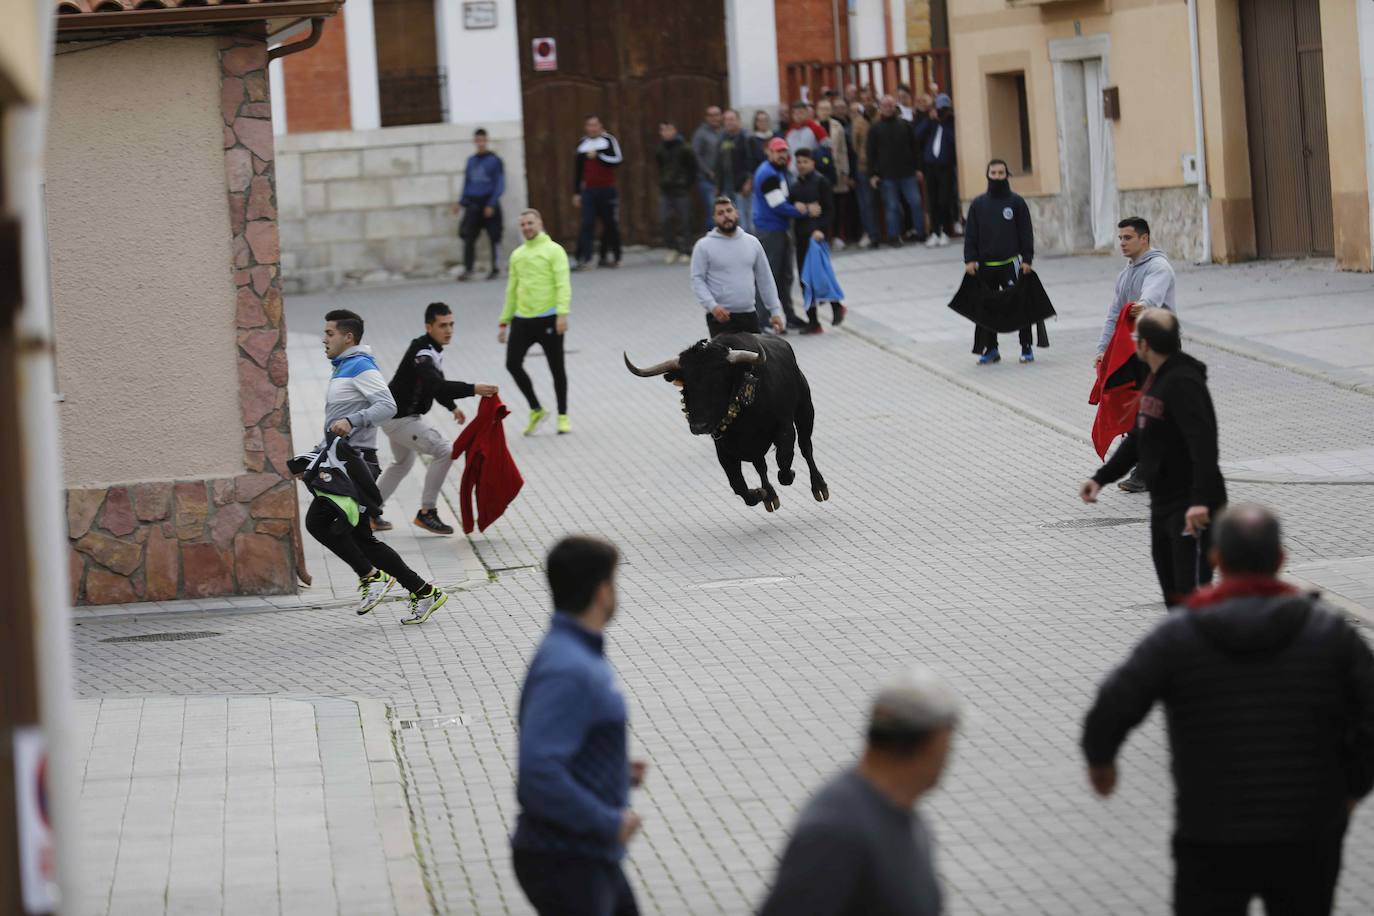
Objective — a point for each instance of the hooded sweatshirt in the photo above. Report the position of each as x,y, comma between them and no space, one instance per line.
727,269
358,393
1149,279
538,282
1269,702
1174,441
998,226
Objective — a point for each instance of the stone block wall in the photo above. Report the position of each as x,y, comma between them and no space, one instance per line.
375,206
1174,216
163,540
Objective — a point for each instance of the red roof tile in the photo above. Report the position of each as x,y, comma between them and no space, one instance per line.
86,15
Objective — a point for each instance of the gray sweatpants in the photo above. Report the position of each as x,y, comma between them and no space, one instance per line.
411,436
777,247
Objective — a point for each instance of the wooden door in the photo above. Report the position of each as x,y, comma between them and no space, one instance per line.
1285,105
631,63
410,82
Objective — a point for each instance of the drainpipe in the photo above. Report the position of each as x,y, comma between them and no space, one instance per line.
1204,193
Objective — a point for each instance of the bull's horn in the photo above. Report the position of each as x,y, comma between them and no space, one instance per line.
747,356
667,365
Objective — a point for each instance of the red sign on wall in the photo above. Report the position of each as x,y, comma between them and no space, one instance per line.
545,54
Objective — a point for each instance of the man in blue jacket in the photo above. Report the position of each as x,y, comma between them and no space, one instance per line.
574,772
484,181
773,216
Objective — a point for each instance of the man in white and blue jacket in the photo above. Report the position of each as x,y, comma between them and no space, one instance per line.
774,212
574,772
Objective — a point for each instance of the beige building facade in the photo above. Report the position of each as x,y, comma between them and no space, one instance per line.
1094,104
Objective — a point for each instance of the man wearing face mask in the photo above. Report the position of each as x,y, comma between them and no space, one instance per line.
997,238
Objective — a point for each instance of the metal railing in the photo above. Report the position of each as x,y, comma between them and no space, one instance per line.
917,70
416,96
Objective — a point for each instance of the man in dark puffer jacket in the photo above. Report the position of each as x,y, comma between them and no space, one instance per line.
1269,702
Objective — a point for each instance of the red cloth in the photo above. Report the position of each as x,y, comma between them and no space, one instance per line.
489,468
1117,389
1240,586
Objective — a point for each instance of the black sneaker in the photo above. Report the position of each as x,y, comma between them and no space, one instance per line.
380,524
429,520
578,265
838,313
794,323
494,273
1133,484
465,276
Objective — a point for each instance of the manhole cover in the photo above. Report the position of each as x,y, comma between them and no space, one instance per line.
741,583
164,637
1094,522
433,722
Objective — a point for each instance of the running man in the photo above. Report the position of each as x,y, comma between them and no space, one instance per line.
538,292
419,382
356,403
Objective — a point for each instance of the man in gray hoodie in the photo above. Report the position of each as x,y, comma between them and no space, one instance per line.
731,276
1147,280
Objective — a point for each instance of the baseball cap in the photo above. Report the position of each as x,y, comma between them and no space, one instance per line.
776,143
915,700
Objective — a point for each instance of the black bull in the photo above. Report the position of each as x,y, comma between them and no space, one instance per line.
748,392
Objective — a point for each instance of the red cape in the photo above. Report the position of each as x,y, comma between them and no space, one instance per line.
1117,389
489,469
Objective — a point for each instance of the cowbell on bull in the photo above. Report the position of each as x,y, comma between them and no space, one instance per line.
748,392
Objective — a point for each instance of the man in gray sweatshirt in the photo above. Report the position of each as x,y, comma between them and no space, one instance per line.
731,276
1147,280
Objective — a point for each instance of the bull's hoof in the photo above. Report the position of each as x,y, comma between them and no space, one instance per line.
822,493
754,497
771,501
786,477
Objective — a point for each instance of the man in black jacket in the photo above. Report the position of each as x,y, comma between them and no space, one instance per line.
677,176
1174,447
811,187
419,382
1269,701
893,161
997,235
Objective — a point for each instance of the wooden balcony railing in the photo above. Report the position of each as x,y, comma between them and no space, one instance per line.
917,70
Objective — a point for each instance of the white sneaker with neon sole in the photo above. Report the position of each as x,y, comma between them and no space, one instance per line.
422,608
372,591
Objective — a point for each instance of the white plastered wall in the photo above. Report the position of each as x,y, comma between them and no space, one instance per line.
751,37
483,65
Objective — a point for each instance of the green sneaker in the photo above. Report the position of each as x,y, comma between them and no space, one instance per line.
422,606
564,424
536,417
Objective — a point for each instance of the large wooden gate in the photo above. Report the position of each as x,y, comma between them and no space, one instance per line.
633,64
1285,106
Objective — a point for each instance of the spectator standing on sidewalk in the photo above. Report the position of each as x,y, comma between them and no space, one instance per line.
419,382
705,144
538,296
677,177
810,188
1174,443
860,845
484,181
999,242
1148,281
595,193
731,277
864,194
758,154
839,158
803,132
1268,698
937,163
574,773
893,161
847,225
773,216
734,178
906,107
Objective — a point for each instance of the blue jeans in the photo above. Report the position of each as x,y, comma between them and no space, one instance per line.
892,206
706,187
865,193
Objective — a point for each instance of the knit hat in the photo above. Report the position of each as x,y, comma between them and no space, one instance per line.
916,700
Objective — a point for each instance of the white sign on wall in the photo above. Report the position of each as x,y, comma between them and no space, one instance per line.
479,14
37,868
545,54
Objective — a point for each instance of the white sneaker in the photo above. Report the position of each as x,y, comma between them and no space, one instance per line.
944,240
372,591
865,242
839,244
422,608
932,240
670,258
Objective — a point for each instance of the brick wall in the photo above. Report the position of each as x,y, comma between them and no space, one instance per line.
316,83
806,31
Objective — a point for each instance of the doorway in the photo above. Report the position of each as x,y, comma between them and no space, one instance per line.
1087,162
1285,113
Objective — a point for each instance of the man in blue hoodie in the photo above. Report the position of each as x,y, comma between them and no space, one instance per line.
773,215
574,772
484,181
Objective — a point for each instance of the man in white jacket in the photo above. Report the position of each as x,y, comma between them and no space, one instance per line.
730,276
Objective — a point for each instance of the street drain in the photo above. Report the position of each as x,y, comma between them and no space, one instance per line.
1094,522
164,637
741,583
432,722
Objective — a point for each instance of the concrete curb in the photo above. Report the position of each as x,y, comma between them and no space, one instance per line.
1347,379
1335,599
410,893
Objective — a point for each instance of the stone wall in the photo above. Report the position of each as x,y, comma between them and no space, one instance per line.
240,534
376,206
1173,214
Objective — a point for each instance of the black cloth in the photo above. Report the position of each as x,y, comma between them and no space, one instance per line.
338,468
1005,310
1293,879
677,166
997,228
419,380
1174,442
737,322
1269,703
526,333
473,223
1182,563
1003,276
732,163
356,545
892,149
573,886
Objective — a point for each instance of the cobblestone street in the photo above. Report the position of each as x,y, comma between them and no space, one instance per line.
749,643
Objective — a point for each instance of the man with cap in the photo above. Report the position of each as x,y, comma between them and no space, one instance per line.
774,212
860,846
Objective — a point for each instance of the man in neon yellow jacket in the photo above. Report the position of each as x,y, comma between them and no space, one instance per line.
538,291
